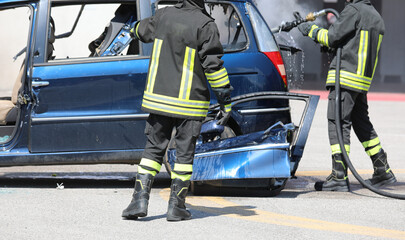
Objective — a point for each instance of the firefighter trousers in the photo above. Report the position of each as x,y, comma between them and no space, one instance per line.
354,110
159,130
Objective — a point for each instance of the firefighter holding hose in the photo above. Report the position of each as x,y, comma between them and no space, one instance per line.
359,31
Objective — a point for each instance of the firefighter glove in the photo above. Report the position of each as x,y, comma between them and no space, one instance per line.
223,116
305,28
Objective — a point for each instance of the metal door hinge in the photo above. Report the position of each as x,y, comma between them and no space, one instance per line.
23,99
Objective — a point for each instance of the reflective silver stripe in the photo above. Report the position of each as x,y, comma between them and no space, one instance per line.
349,83
378,51
217,74
348,75
363,49
154,64
220,82
323,37
173,109
176,101
187,74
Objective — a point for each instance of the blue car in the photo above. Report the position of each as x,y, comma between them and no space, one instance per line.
72,79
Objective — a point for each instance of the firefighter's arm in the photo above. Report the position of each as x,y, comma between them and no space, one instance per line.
337,33
144,29
211,52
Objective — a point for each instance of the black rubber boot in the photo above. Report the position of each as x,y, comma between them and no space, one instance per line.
337,180
140,198
383,174
177,209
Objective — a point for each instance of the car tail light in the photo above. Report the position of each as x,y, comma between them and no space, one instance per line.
277,60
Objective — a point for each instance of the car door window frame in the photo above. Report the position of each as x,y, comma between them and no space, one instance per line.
41,51
27,70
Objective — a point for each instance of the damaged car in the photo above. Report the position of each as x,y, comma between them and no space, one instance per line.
72,82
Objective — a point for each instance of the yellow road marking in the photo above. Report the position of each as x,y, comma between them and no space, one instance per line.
326,173
222,207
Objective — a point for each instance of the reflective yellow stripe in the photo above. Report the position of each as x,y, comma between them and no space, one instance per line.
175,101
218,79
362,55
216,74
174,109
142,170
371,143
183,189
378,51
220,82
374,150
350,79
157,46
322,37
336,149
311,32
182,177
228,108
140,182
187,74
342,163
183,167
136,30
150,163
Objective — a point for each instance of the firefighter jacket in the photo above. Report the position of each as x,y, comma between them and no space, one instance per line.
359,31
186,53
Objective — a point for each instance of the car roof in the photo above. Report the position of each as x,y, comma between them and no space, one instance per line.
80,1
14,1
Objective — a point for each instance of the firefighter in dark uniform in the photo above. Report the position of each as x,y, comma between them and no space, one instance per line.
359,31
186,53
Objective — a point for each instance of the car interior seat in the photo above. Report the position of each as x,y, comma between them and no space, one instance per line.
123,13
9,108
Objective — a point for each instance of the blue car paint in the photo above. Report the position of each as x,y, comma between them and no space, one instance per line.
263,154
92,108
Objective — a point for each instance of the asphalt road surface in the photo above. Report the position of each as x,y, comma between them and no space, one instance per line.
90,204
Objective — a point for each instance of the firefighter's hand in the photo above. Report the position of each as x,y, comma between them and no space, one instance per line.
223,117
305,28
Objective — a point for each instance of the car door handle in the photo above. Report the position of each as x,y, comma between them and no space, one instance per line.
39,83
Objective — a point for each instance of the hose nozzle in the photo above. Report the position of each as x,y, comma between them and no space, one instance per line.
314,15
